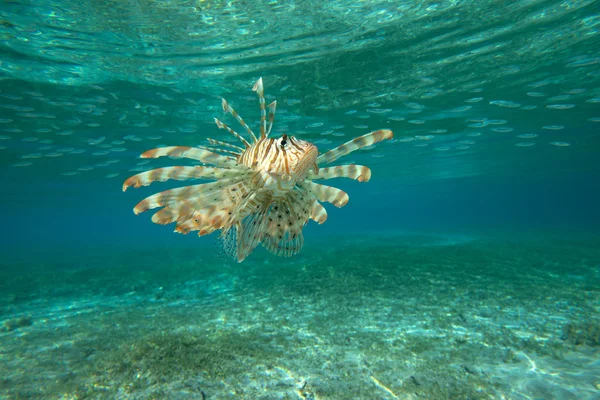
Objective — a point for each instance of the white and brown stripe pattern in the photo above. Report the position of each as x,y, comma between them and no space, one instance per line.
258,88
355,144
286,155
356,172
233,154
193,153
227,108
238,149
329,194
272,108
318,212
262,191
174,196
221,125
178,173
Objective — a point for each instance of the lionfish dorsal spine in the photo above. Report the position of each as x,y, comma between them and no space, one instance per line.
225,144
228,153
221,125
228,109
271,108
259,89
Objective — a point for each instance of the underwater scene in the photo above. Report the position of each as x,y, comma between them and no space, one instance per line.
319,200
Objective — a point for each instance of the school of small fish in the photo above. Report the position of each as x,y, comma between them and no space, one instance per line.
36,128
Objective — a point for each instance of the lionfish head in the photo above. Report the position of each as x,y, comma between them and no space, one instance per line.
296,156
290,156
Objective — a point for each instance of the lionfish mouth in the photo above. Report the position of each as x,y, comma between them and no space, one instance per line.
261,191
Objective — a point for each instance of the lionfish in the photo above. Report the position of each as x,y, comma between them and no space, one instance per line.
262,193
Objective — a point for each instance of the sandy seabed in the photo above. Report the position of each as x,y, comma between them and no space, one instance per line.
383,317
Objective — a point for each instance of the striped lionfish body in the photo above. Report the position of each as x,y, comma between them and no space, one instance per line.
262,190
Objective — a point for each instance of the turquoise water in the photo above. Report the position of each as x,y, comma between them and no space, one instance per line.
467,267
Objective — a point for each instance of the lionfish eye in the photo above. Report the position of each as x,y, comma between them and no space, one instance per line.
283,140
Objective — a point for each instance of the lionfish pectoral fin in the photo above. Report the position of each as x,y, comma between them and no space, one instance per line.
275,223
315,169
286,219
318,212
178,173
193,153
204,208
210,212
179,213
355,144
249,233
356,172
329,194
245,227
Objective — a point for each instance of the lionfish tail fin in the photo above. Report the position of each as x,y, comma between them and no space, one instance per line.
355,144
